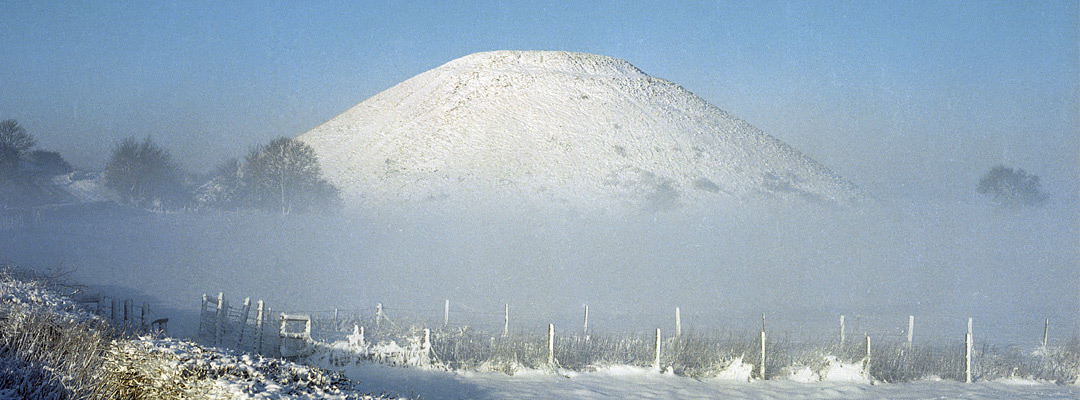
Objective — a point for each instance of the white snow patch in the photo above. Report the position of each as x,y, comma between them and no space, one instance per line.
840,371
737,371
801,374
86,187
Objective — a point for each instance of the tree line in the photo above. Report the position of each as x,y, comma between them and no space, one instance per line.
284,176
280,176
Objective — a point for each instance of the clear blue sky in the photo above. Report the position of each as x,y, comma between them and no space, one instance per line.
897,96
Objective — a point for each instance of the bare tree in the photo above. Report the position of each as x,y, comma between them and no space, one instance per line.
285,175
143,174
14,142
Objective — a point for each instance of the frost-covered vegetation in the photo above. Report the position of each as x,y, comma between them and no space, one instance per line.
727,356
51,349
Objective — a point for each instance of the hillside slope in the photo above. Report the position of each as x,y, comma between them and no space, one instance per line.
571,129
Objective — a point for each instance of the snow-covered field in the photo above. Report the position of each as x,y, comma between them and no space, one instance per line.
621,382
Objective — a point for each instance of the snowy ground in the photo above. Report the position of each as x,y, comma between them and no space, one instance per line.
638,383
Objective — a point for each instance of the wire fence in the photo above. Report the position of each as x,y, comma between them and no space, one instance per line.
504,341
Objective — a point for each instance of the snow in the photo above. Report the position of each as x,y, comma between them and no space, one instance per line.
86,187
623,382
835,379
183,366
579,130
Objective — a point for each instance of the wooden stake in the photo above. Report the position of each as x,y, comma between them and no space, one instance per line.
762,346
259,327
245,311
219,321
144,315
585,329
446,314
841,329
678,322
378,315
128,315
910,328
506,320
656,361
868,352
762,367
967,354
551,345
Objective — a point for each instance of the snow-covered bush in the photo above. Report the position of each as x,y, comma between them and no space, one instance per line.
50,349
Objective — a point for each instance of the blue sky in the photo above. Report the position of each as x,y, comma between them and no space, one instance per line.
899,97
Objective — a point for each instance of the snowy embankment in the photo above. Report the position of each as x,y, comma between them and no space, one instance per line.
52,349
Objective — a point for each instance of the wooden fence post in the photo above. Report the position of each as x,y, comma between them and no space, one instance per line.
678,322
867,366
506,320
762,372
259,327
841,329
910,328
656,360
128,315
585,329
967,354
242,325
426,346
446,314
378,316
219,321
143,315
551,345
115,305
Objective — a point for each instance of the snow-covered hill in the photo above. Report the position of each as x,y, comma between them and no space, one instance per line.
579,130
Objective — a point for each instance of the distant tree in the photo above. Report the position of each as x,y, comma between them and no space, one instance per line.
144,174
1011,188
49,162
284,176
14,142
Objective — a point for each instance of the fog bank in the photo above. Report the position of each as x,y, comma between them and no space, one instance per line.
801,265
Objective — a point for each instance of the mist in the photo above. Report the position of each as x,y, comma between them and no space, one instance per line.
801,265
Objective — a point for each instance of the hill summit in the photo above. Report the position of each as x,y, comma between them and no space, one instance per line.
569,129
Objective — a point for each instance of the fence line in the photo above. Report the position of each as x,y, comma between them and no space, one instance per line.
297,333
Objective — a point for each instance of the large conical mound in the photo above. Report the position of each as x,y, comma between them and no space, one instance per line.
572,129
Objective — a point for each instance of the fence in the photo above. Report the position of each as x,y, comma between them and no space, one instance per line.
126,315
382,335
247,328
